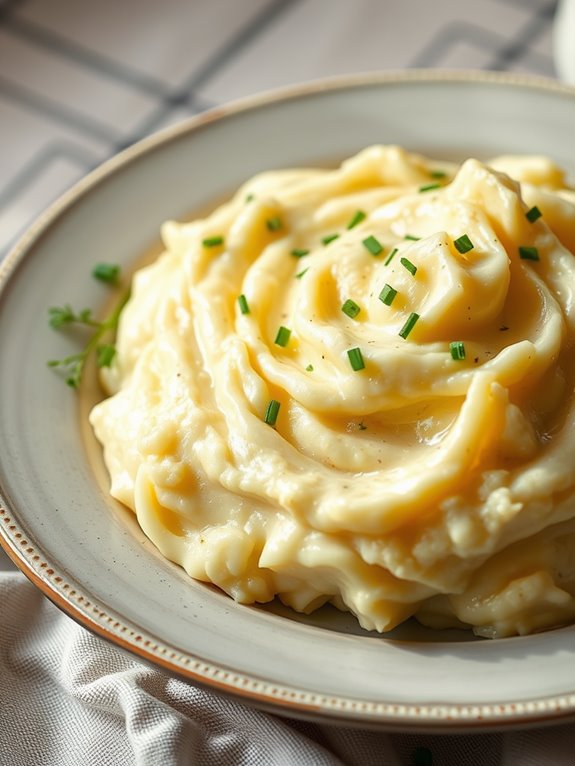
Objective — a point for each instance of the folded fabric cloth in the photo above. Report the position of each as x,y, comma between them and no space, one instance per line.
70,698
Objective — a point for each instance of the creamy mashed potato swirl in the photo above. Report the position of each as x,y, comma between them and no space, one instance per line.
422,459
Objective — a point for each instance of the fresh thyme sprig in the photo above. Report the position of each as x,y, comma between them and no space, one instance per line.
60,317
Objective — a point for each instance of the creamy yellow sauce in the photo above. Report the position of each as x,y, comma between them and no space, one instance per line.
398,479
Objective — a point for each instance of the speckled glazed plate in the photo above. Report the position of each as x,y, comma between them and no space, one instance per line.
88,555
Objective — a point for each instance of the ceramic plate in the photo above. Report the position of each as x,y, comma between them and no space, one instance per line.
88,555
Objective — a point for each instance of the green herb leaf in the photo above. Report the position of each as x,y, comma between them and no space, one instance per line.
373,245
389,258
272,411
412,238
356,359
350,308
274,224
106,272
411,267
528,253
438,174
533,214
301,273
62,316
329,238
457,350
215,241
387,295
243,304
105,355
309,368
409,325
58,316
429,187
463,244
283,336
358,217
299,253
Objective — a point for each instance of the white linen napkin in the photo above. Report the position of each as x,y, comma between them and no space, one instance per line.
70,698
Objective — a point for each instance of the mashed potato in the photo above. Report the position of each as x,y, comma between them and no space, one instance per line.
356,386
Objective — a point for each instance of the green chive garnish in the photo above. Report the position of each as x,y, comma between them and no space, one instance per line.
243,302
412,238
387,295
411,267
457,350
389,258
298,253
249,197
409,325
358,217
272,411
350,308
274,224
106,272
528,253
329,238
301,273
533,214
373,245
213,241
356,359
283,336
309,368
463,244
438,174
429,187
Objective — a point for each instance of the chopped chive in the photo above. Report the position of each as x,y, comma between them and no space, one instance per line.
358,217
411,267
283,336
299,253
409,325
244,308
412,238
463,244
309,368
274,224
356,359
429,187
106,272
387,295
528,253
533,214
249,197
457,350
350,308
301,273
213,241
373,245
437,174
329,238
272,411
389,258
